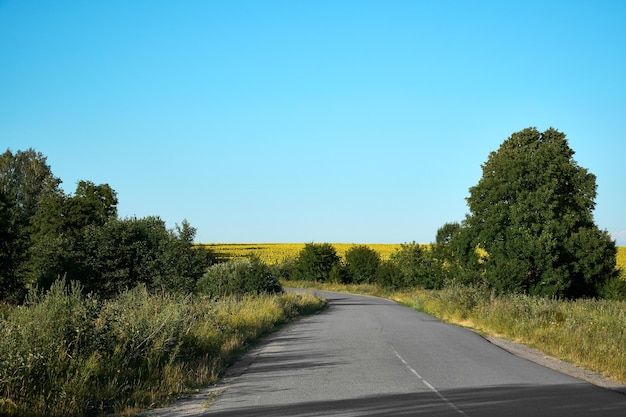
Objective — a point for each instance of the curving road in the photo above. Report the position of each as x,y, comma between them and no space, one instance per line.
370,356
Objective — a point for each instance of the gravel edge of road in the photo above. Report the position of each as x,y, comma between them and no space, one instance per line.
537,356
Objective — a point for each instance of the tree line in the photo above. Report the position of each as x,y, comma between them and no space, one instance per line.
47,234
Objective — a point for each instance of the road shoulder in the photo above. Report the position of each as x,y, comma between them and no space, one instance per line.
535,355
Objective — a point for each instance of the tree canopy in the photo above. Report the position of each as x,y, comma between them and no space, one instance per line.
46,235
530,227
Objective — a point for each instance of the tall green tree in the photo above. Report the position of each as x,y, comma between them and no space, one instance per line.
25,179
531,216
57,231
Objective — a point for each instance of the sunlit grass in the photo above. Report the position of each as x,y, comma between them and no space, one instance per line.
66,355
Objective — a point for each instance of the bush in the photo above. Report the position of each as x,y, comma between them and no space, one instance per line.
389,275
315,262
245,276
124,253
283,270
362,264
417,267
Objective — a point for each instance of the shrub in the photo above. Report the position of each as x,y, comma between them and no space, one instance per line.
283,270
362,264
417,267
389,275
315,262
245,276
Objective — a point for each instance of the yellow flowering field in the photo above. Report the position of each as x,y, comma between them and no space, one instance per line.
621,259
274,253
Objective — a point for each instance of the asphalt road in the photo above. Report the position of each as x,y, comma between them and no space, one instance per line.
370,356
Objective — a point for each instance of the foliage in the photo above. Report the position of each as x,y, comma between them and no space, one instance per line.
25,178
47,234
58,231
245,276
126,252
389,275
531,212
417,267
361,265
64,354
315,262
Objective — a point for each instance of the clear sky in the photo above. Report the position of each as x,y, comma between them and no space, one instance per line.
310,121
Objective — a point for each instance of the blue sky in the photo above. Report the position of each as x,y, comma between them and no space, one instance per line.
310,121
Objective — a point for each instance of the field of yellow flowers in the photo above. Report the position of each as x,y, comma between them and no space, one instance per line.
621,260
275,253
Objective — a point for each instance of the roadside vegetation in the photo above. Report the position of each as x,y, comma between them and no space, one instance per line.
66,354
100,313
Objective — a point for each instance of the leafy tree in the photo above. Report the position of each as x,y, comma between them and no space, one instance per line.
446,233
315,262
362,264
6,240
531,216
25,178
185,263
57,231
125,252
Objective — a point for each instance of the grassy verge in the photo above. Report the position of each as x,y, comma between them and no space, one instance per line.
588,333
63,354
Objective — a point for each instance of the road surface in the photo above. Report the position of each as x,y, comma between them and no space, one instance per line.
367,356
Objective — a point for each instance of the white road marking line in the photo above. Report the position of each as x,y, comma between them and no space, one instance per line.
428,385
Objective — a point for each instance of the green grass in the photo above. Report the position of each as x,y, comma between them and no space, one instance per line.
588,333
63,354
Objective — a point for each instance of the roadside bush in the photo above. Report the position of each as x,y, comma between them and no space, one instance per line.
244,276
417,267
315,262
389,275
283,270
124,253
362,264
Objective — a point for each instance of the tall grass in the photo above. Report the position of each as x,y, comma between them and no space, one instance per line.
63,354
